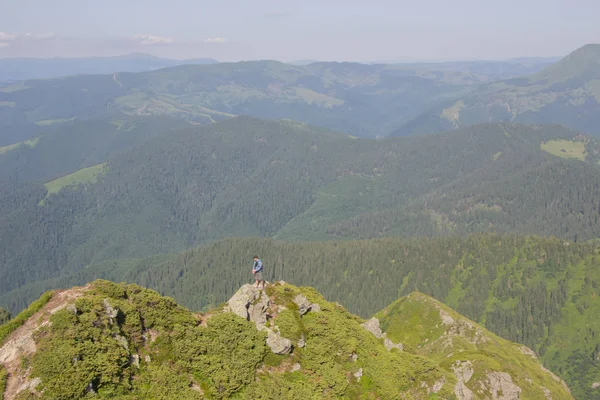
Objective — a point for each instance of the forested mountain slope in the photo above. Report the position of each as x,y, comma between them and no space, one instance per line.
284,179
58,150
363,100
566,93
281,343
540,292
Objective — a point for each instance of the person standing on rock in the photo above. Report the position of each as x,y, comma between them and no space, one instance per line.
257,270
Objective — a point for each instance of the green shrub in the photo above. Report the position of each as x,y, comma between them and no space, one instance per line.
20,319
3,378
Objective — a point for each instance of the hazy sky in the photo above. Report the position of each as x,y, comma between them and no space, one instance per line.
354,30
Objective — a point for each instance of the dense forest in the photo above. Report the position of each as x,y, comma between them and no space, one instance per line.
291,181
540,292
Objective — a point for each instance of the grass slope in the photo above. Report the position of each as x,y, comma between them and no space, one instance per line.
83,176
565,149
460,346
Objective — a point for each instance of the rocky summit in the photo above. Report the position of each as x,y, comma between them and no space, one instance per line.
120,341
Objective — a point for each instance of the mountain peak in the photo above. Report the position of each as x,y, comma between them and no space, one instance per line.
582,64
282,342
483,363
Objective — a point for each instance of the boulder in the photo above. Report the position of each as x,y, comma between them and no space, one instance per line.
302,341
358,374
302,303
315,307
242,299
277,343
257,311
372,326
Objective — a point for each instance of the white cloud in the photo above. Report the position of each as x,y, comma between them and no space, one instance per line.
215,40
152,39
7,37
39,36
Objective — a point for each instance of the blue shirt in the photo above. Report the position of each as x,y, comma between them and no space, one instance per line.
257,266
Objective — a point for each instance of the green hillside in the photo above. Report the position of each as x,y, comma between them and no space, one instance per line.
539,292
291,181
283,343
61,150
363,100
567,93
478,358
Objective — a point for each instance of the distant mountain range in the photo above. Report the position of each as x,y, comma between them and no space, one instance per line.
567,92
18,69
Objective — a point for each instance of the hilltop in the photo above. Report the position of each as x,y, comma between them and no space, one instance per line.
124,341
567,93
539,292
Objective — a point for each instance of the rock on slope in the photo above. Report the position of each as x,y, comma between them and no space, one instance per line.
485,365
122,341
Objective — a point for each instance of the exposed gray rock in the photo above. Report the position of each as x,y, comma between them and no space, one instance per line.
29,385
301,341
502,386
134,360
122,341
148,359
354,357
391,345
258,310
547,393
527,351
111,312
302,303
372,326
595,385
278,344
463,370
315,307
296,367
358,374
242,299
438,385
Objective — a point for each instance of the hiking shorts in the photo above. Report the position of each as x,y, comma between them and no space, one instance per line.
258,276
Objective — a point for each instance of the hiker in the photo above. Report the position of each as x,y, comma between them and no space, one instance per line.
257,270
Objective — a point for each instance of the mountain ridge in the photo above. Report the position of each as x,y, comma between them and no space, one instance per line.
314,349
567,93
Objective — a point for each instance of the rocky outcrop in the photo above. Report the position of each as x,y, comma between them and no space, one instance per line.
501,386
277,343
241,301
463,370
391,345
304,305
372,326
595,385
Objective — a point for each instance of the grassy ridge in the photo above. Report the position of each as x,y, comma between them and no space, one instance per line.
13,324
83,176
